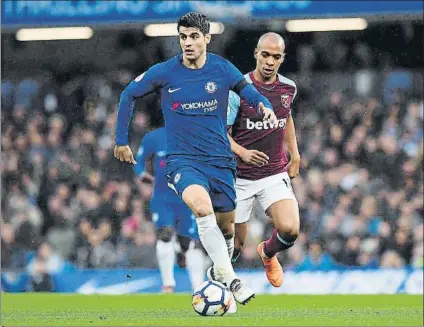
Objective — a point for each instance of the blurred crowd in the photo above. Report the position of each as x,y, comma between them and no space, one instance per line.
66,202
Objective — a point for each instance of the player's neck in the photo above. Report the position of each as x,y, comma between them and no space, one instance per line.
258,76
195,64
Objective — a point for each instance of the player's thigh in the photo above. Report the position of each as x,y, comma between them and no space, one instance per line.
280,203
198,200
193,188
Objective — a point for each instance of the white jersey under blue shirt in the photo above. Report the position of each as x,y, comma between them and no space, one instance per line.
194,104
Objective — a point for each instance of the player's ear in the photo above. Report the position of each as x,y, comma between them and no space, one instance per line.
255,54
208,38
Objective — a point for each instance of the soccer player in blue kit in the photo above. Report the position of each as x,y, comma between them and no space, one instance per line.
194,87
169,213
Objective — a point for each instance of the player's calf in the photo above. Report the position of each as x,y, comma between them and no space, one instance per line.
285,216
195,262
184,242
240,238
281,239
165,255
199,201
226,224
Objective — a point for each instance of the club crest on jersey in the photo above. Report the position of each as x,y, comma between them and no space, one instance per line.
285,100
210,87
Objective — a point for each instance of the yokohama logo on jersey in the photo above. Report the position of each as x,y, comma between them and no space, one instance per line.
259,125
207,106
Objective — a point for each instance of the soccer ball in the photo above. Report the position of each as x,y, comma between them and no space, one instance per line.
212,299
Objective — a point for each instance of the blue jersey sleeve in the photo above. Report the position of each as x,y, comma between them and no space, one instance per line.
249,93
234,75
253,97
233,108
144,153
144,84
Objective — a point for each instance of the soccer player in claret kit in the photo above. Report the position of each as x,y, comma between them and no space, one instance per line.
169,215
263,169
200,166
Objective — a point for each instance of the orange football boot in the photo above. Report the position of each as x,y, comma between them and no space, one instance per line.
273,269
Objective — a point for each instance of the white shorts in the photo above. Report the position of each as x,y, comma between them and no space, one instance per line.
267,191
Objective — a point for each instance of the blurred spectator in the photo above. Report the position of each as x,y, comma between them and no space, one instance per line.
142,252
41,268
316,258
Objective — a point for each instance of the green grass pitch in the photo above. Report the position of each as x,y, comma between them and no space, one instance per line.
43,309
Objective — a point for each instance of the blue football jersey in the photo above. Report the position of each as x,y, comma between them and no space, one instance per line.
194,104
153,145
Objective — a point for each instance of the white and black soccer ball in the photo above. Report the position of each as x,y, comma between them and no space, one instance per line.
212,298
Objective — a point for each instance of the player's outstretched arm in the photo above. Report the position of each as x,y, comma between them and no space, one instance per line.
144,84
291,142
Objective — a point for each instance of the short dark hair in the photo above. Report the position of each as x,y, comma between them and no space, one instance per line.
194,19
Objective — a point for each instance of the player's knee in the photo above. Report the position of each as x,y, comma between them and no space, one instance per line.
202,209
164,234
289,231
198,200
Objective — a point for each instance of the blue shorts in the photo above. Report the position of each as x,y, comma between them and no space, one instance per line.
218,181
176,215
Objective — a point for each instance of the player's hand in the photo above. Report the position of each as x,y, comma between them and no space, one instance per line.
124,154
254,157
269,115
293,167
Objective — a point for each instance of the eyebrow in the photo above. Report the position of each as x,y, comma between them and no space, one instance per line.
270,54
191,34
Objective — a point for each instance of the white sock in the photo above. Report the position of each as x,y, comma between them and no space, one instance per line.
230,246
214,243
195,260
166,258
